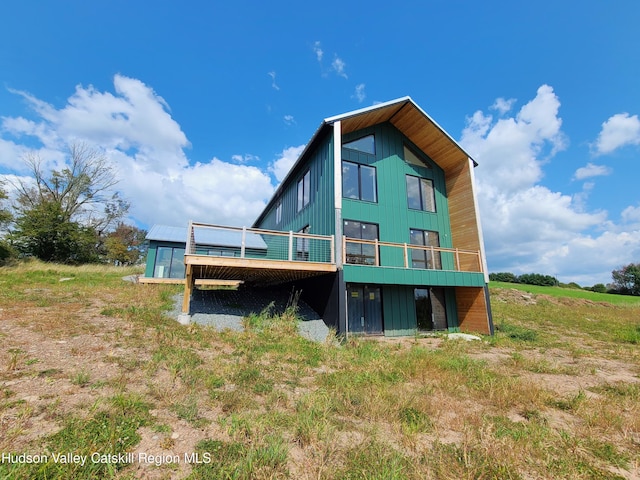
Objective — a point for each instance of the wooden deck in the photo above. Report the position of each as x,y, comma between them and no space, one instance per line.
264,257
247,270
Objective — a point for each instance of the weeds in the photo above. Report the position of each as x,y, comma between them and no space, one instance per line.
266,403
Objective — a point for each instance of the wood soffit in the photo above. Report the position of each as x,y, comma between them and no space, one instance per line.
416,126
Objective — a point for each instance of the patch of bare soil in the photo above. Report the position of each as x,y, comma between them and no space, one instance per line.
54,366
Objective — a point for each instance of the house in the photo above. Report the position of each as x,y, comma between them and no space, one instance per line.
376,223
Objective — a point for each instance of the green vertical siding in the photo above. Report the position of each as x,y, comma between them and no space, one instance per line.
399,310
319,213
391,212
151,259
452,309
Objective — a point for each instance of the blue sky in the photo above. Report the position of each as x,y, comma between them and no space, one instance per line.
203,106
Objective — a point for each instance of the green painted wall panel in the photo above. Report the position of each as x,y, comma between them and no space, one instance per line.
401,276
151,259
319,213
399,311
452,309
391,212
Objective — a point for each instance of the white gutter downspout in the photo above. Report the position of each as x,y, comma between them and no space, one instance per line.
337,206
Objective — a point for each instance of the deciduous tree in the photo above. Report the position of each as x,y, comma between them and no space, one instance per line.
626,280
125,245
62,215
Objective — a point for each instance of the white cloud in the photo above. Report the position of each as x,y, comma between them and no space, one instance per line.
274,85
289,120
514,149
527,226
631,215
281,166
591,170
318,51
618,131
503,106
246,158
134,128
359,93
338,65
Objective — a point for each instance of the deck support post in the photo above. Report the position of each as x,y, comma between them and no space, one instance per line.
290,245
406,256
188,289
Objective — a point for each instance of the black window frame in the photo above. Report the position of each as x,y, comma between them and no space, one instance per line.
360,167
302,246
304,190
279,212
421,258
176,267
423,203
359,253
360,139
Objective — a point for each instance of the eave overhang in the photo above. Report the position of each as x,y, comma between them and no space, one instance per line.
414,123
408,118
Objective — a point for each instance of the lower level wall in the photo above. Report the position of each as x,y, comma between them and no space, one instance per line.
473,311
399,309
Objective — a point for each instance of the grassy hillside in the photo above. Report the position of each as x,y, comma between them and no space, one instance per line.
90,366
571,293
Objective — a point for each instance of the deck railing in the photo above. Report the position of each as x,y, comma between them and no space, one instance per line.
403,255
243,242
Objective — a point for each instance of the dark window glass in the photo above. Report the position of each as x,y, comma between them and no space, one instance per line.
413,192
302,246
304,190
368,189
359,253
350,183
420,194
169,263
364,144
422,258
279,213
412,158
359,182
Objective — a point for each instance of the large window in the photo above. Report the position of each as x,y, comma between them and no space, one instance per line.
360,253
364,144
359,182
304,190
425,258
169,263
420,194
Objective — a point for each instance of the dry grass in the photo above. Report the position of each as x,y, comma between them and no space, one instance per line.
90,364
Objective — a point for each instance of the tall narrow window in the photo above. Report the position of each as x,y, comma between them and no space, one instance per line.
361,253
363,144
304,190
302,246
420,194
279,213
424,257
359,182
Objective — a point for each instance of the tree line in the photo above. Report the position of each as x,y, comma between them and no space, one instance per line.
68,215
625,280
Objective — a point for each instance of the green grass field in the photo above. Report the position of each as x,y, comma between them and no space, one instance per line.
571,293
90,365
